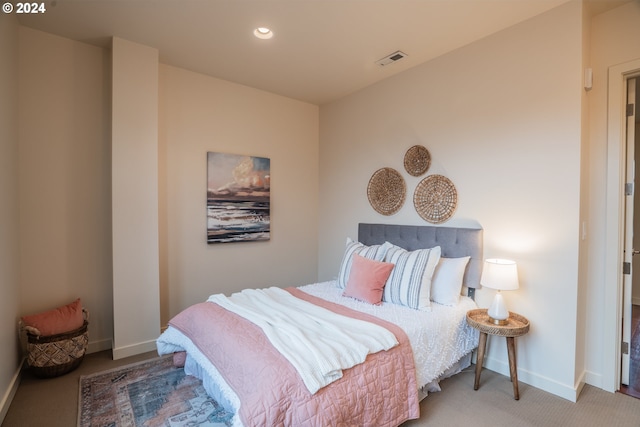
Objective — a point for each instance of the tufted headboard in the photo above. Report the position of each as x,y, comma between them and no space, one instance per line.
454,242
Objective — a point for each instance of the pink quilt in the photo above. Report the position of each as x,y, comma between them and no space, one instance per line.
382,391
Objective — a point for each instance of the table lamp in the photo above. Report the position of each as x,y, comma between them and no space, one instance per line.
500,274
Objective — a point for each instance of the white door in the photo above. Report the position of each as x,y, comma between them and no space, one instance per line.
628,241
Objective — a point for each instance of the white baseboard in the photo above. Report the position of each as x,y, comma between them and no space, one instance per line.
538,381
635,301
594,379
101,345
11,392
132,350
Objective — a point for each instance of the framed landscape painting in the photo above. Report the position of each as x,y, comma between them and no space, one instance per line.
238,198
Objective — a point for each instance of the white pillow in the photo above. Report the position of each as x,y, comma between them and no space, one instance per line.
447,280
410,280
374,252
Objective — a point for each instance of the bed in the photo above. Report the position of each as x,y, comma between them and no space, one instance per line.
418,336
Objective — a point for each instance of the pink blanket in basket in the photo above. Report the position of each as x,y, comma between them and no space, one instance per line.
382,391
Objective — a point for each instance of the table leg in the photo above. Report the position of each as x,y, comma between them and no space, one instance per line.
482,344
511,349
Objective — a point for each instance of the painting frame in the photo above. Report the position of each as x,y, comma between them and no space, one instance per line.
238,198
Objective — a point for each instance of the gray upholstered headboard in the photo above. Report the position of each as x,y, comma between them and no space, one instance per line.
454,242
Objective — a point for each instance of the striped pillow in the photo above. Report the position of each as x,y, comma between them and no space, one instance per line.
374,252
410,280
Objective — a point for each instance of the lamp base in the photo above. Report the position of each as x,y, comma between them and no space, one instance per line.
500,322
498,313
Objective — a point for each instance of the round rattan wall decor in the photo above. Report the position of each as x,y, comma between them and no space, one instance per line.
417,160
435,199
386,191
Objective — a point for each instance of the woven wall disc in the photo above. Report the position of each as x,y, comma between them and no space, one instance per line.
386,191
417,160
435,199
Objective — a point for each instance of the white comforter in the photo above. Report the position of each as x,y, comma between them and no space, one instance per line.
316,341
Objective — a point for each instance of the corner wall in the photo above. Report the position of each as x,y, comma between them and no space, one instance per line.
65,188
583,266
198,114
65,179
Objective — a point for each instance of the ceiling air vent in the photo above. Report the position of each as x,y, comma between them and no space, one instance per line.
390,59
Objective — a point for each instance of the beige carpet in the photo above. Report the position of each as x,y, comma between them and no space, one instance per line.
54,402
493,405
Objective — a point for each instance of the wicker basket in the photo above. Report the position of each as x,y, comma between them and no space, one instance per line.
386,191
54,355
417,160
435,199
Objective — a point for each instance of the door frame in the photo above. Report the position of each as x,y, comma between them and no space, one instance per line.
629,239
614,228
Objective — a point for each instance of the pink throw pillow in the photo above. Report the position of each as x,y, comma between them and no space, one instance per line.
57,321
367,279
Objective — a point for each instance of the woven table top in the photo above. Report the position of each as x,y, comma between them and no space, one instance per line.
516,325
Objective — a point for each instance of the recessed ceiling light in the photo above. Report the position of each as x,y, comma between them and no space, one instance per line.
263,33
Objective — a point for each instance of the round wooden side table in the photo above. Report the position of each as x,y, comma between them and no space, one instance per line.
516,326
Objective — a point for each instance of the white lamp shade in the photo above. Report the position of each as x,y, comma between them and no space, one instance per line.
501,274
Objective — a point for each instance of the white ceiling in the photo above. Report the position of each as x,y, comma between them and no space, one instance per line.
322,49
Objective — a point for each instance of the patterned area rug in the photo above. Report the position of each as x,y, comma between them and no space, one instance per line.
149,393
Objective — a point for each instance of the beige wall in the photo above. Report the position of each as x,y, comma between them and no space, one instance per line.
199,114
9,243
501,119
134,198
583,259
64,167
